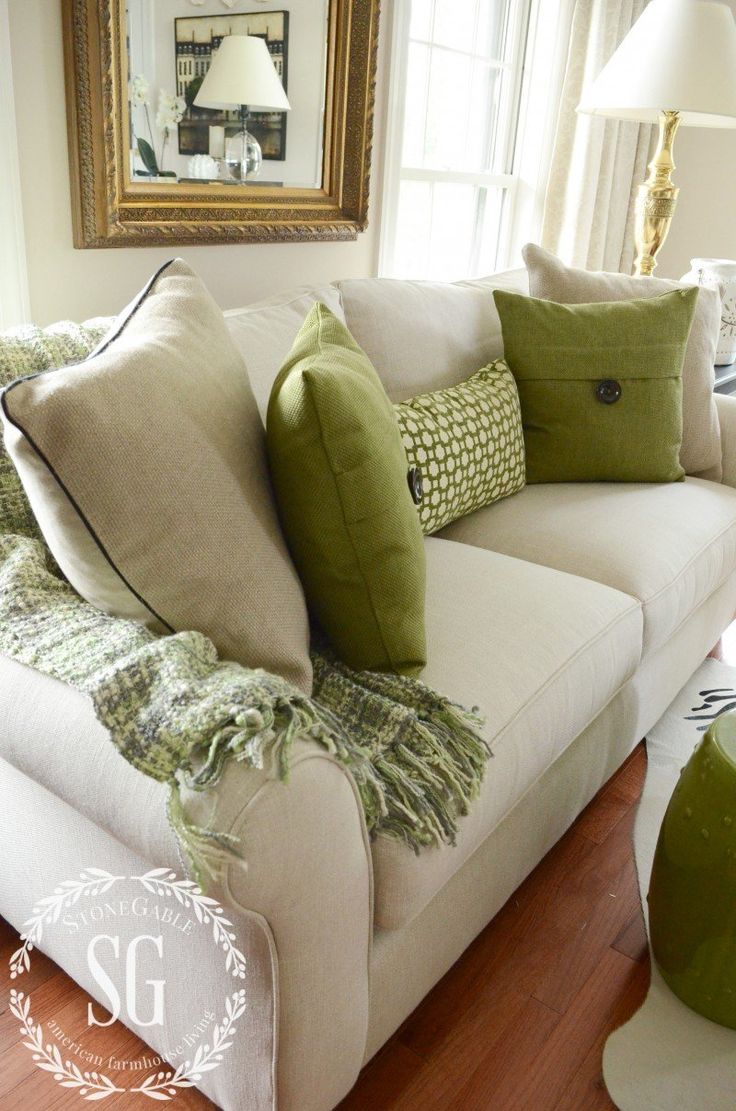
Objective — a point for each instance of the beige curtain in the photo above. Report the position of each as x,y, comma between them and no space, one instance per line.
596,164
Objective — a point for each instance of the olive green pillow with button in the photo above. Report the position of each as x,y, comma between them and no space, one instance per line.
340,474
600,385
467,444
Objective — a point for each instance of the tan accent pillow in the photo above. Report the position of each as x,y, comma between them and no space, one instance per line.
551,280
145,466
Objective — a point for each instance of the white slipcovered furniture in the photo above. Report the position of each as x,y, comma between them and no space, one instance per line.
570,614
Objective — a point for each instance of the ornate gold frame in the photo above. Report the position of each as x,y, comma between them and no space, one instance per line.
111,211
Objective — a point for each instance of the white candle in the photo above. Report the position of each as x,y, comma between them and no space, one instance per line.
217,142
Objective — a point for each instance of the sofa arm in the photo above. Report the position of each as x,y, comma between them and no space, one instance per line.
726,408
307,870
307,873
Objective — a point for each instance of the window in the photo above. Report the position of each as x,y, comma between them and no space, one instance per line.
456,87
13,277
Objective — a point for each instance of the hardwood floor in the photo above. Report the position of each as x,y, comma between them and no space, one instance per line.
518,1024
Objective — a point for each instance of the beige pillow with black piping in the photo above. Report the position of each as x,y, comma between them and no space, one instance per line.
145,467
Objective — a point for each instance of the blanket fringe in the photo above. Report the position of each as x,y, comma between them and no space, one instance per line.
208,853
416,793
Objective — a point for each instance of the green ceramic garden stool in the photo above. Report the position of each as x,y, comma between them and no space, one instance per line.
692,893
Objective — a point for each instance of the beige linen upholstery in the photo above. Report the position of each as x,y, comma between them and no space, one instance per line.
145,467
726,406
671,546
424,336
308,872
61,845
700,453
264,333
406,963
541,653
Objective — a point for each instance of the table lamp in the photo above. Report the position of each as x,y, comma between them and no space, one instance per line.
242,75
677,65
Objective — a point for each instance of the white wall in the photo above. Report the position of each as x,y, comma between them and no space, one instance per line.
65,282
14,302
704,223
705,220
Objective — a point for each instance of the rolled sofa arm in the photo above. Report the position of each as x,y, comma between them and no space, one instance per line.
307,870
306,877
726,407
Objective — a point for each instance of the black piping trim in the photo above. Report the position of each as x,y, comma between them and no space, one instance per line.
101,347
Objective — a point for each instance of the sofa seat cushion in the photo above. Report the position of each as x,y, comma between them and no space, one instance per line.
541,653
670,546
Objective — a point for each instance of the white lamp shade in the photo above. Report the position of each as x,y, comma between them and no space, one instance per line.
242,72
679,56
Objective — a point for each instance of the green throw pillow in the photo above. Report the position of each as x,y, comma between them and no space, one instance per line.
340,475
600,385
466,443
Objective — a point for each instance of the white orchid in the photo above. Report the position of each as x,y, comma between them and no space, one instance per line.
139,91
171,111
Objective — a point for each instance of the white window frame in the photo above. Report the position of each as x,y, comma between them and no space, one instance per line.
14,297
395,173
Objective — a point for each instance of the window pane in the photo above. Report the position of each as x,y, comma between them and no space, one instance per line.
456,129
435,230
448,109
492,19
411,247
489,230
415,109
421,19
484,99
464,61
455,21
453,231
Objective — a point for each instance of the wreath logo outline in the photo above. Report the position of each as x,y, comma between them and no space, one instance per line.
95,1086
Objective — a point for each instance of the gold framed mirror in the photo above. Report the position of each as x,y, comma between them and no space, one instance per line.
144,177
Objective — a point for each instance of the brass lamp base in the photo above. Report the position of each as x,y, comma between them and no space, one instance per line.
656,199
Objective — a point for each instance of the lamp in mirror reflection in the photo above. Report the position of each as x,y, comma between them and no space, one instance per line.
242,75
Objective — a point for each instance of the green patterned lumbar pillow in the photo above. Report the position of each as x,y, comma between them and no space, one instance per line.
339,471
600,385
466,444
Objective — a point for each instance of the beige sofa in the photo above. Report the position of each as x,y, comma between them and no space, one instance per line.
571,615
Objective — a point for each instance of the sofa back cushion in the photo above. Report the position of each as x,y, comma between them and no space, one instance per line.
145,466
425,336
265,331
551,280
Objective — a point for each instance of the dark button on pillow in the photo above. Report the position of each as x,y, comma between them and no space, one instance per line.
608,391
416,484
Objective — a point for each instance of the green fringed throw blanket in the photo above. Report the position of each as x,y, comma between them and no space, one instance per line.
178,714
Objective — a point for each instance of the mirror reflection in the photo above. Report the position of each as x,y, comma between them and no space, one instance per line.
228,91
